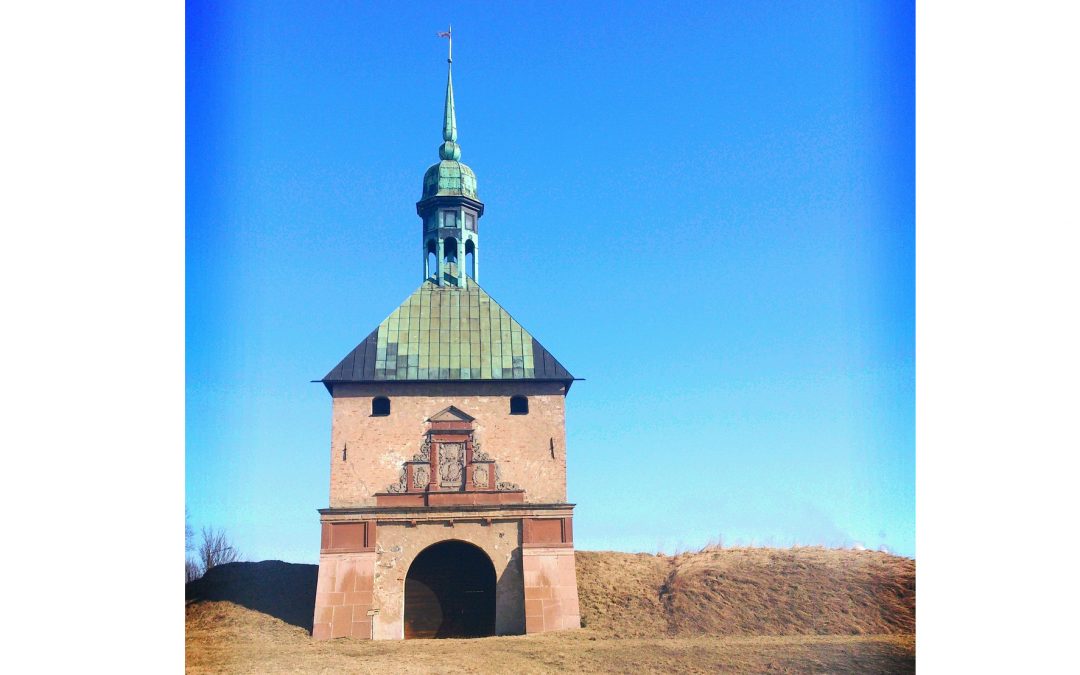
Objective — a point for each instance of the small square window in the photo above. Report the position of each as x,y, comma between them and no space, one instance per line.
519,405
380,406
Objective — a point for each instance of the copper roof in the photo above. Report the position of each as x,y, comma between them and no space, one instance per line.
448,333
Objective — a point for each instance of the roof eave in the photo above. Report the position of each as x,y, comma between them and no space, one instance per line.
436,200
329,384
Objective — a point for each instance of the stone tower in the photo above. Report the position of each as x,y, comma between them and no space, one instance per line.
448,513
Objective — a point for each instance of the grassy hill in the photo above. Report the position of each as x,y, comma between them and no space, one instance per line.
748,591
739,609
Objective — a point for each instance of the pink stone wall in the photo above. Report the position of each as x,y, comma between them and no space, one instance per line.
343,595
398,546
530,449
551,598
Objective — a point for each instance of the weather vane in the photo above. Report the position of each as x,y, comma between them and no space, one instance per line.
450,48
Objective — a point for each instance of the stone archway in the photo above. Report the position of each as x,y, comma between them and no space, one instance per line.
450,592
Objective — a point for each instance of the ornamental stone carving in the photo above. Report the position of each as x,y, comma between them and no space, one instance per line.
451,462
401,485
425,452
479,455
501,484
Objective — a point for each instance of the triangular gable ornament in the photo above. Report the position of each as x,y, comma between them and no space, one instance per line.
451,414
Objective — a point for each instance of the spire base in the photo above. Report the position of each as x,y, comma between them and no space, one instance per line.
450,150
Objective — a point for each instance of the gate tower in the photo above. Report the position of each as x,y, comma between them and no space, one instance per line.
448,513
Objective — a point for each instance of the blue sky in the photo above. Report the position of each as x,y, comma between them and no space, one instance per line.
707,211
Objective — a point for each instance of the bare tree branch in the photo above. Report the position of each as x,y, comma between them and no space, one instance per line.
189,534
191,570
216,549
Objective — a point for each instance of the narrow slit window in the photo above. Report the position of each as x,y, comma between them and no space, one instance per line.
432,261
470,259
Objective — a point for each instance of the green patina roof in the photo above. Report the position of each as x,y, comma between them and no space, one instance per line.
448,333
449,176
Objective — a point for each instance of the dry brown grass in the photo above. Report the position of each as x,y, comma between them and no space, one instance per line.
732,610
619,593
748,591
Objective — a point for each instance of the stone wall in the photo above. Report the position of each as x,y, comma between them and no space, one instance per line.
551,597
400,543
367,553
343,596
530,449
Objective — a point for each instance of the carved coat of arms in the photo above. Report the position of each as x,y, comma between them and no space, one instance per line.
451,461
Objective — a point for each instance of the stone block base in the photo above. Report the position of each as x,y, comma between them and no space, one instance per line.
343,595
551,597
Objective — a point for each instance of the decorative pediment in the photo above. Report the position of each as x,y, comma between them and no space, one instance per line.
450,460
451,414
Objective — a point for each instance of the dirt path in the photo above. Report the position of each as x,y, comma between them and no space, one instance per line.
226,638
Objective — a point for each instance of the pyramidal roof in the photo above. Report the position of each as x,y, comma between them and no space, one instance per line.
448,333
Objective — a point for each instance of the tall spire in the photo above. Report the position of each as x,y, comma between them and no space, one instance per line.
450,208
449,149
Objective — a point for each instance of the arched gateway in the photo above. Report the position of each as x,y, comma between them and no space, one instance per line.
450,593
